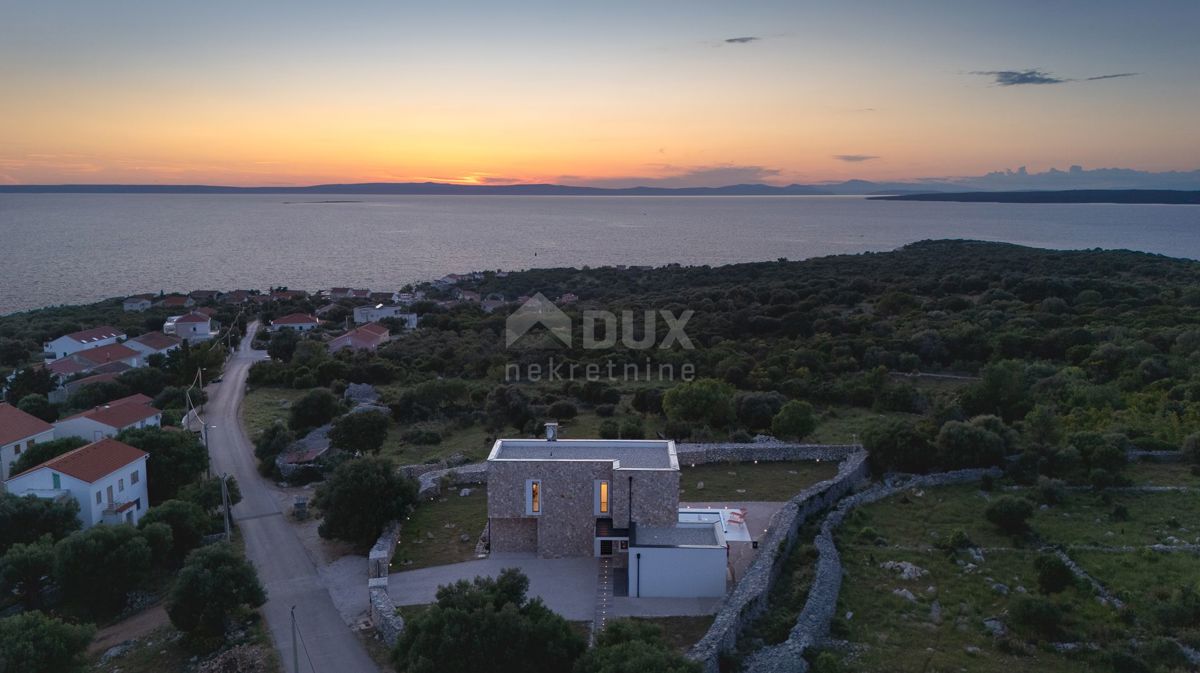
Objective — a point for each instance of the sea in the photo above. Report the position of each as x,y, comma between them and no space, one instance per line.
78,248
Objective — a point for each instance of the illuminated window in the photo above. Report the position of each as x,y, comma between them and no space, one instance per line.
602,497
533,496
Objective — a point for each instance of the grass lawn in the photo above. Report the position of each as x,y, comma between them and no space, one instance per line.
1085,519
1144,580
431,535
1162,474
846,425
679,633
766,481
263,406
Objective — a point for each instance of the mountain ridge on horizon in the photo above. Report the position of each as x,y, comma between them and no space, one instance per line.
1076,178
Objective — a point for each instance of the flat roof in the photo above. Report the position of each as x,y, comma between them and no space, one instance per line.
681,535
628,454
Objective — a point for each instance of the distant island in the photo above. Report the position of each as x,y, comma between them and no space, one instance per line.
1144,196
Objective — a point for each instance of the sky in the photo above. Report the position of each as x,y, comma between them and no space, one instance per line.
656,92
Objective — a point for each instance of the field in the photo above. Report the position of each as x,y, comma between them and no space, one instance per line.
264,406
432,534
750,482
944,603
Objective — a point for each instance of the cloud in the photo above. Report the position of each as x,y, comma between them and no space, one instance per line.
742,40
854,158
1019,77
1112,76
670,176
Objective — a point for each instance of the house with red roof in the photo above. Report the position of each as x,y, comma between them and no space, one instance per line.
107,420
74,342
154,343
107,478
365,338
111,358
300,322
18,432
176,301
192,327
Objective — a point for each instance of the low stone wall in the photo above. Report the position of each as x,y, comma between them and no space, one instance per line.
1155,456
749,597
698,454
382,610
812,625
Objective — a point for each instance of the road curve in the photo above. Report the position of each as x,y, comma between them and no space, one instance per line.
284,565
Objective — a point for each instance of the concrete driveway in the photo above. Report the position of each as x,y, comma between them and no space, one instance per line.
567,585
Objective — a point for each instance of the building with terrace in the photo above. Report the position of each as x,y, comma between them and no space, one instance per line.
107,478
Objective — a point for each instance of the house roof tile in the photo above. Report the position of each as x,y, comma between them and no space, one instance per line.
93,461
16,424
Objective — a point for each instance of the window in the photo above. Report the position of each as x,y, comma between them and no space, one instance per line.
133,478
97,497
602,498
32,441
17,449
121,485
56,479
533,496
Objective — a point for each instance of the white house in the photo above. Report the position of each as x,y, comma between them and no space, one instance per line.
18,432
300,322
153,343
140,302
74,342
192,327
110,358
366,314
109,419
107,478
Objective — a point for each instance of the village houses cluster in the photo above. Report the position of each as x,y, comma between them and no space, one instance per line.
107,478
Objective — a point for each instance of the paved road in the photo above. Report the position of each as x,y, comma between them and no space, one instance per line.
284,565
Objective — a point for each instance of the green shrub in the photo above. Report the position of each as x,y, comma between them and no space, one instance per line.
1009,513
1053,575
1035,617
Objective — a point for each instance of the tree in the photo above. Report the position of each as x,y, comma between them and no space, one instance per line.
95,394
97,567
214,584
188,522
158,537
648,400
633,428
272,442
176,459
963,445
24,566
1191,448
628,646
756,411
34,643
25,519
43,451
283,345
37,405
706,401
487,626
316,408
207,493
507,405
1053,574
898,444
148,381
360,431
1009,513
29,381
361,497
795,420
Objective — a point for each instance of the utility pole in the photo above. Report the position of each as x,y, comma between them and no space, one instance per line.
295,652
225,502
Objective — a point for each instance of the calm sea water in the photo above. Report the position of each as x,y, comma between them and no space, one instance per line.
72,248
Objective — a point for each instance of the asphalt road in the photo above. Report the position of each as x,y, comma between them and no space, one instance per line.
284,566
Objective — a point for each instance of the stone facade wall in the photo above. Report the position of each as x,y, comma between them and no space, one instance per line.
514,534
655,497
812,625
749,597
381,609
565,526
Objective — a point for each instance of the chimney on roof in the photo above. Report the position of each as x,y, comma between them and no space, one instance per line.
551,432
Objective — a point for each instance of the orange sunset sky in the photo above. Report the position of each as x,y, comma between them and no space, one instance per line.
612,94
